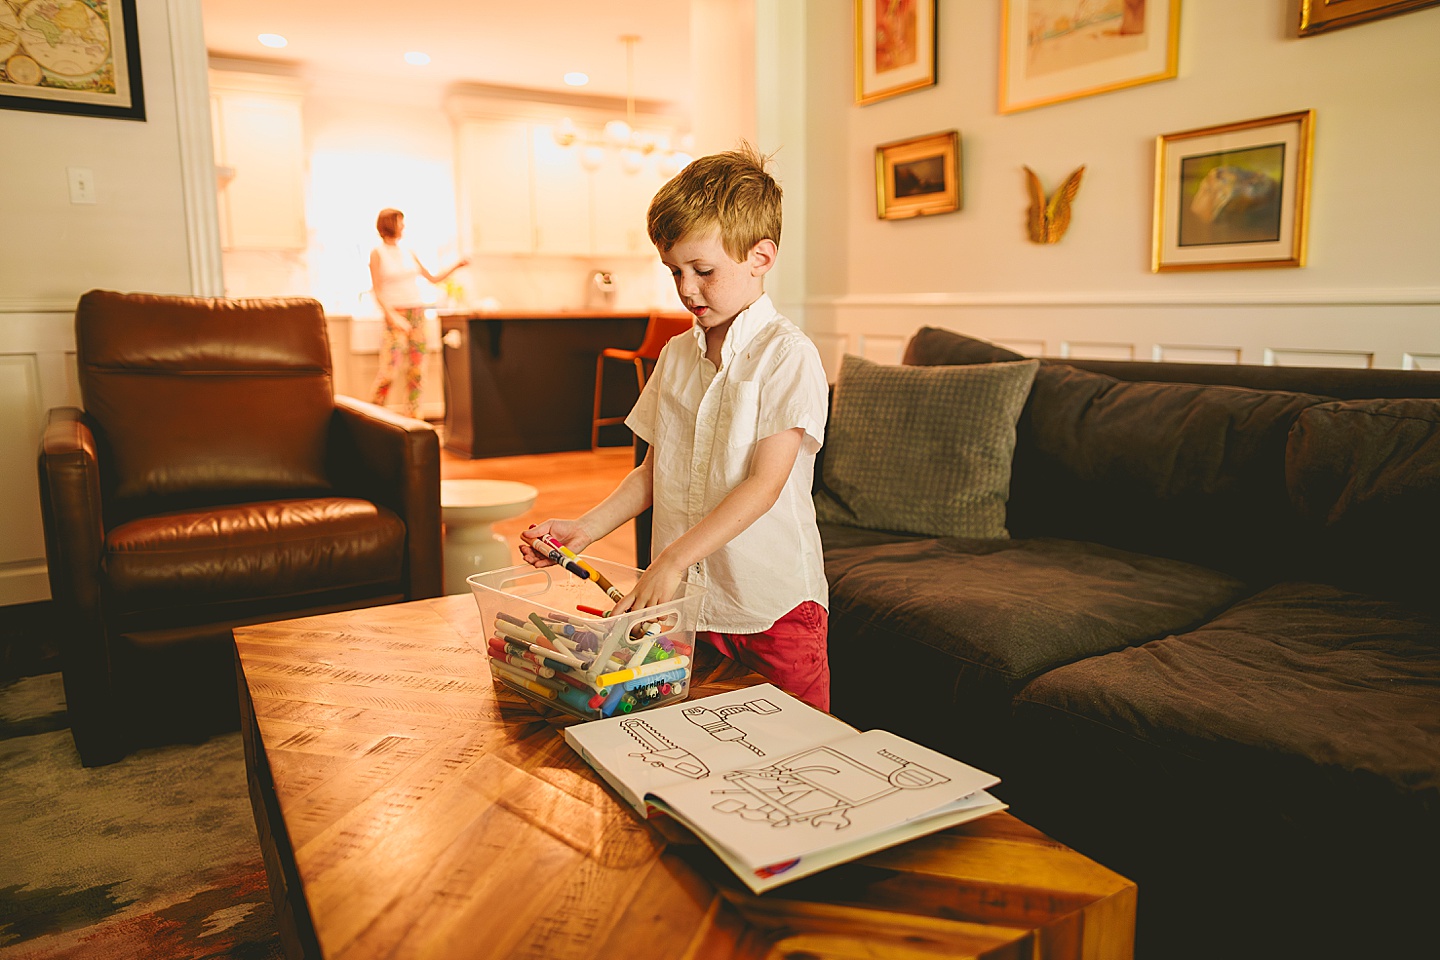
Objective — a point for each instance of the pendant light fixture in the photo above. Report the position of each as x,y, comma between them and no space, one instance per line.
621,136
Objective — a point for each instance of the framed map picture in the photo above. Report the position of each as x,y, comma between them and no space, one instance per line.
71,56
894,47
1233,196
1056,50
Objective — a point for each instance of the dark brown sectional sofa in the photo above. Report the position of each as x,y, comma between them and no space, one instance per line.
1208,654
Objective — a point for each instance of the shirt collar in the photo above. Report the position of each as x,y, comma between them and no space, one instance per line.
747,323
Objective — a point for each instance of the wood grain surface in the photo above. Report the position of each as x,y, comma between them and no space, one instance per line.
409,807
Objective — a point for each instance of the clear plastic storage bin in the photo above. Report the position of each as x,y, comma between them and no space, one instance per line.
584,664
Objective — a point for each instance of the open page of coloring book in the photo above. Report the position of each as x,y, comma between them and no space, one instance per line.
777,788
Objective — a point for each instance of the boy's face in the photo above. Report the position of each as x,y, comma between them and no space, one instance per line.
713,287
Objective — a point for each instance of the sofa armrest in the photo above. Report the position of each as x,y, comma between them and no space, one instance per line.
394,461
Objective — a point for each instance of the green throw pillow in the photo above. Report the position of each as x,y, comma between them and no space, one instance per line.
923,449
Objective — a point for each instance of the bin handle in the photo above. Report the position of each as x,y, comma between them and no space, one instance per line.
525,578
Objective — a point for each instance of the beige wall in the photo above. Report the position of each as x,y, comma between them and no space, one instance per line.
1371,290
137,236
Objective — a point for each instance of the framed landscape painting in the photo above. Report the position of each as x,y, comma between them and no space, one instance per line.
1317,16
895,45
68,56
1233,196
917,177
1057,50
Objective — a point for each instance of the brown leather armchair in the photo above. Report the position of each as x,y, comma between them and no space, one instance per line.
214,479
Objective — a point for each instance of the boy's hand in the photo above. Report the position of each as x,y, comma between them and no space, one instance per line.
656,585
568,532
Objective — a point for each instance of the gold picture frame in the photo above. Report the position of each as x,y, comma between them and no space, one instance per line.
895,47
918,177
81,59
1234,196
1057,50
1318,16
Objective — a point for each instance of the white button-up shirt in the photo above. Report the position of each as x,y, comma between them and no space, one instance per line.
702,426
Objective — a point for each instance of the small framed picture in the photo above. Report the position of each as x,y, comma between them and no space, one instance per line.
1057,50
1317,16
917,177
1234,196
78,58
895,46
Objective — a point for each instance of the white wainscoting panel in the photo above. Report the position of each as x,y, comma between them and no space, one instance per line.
1029,348
37,372
1421,361
1299,357
832,347
1189,353
882,347
1092,350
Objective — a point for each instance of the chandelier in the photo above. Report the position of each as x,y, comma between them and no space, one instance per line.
622,136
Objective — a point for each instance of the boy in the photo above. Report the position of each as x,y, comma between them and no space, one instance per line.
734,414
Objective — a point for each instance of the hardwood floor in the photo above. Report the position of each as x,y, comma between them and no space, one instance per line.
568,483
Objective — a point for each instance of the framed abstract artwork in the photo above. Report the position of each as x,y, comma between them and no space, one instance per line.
1057,50
71,56
917,177
1317,16
895,47
1234,196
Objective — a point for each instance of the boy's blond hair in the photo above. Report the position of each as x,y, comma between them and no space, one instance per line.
728,190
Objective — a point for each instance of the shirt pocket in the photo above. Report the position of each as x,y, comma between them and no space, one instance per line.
739,417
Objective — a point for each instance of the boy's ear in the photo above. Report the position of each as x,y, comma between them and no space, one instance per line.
762,257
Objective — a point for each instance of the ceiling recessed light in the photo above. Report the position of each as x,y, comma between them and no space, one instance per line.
577,79
272,40
416,58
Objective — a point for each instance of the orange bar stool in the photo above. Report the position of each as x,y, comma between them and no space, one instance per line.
658,331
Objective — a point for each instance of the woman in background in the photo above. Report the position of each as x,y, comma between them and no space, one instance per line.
393,273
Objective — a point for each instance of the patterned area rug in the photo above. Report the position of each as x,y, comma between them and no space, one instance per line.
154,857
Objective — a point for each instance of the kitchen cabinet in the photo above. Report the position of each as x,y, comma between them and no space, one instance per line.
525,194
495,177
260,161
563,197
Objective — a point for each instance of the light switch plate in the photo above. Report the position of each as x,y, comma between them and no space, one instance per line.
82,184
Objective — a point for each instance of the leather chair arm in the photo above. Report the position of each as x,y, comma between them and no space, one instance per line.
70,504
394,461
72,511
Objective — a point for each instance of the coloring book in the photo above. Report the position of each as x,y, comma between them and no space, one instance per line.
778,789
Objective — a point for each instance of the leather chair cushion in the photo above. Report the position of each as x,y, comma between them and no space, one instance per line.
207,400
179,566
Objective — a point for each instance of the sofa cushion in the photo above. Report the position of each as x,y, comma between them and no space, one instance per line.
1364,475
231,562
1288,751
931,638
922,449
1189,471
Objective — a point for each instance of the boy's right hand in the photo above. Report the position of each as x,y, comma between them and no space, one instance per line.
568,532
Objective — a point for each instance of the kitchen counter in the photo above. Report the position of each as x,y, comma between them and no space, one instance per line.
522,382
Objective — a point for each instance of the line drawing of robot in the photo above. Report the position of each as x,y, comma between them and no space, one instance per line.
714,721
819,786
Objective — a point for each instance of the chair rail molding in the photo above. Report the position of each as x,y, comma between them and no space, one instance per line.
1406,296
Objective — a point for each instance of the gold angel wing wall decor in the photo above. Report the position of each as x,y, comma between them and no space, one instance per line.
1049,219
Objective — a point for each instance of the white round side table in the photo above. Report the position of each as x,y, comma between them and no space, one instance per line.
468,508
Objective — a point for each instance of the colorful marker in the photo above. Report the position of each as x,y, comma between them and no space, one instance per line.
643,670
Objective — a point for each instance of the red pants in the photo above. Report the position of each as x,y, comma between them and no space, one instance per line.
793,654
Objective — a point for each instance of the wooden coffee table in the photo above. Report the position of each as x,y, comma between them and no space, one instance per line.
408,807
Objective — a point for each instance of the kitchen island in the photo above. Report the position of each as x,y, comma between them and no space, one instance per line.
524,382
